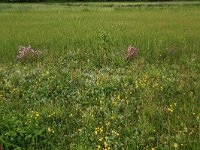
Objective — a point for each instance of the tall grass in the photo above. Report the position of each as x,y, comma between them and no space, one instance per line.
83,94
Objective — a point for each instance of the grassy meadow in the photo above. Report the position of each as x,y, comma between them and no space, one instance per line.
83,94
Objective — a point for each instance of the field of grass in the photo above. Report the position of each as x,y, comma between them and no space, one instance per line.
83,94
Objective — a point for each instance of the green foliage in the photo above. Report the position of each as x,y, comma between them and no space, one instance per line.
83,94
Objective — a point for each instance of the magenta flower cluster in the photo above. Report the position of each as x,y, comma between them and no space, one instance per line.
132,52
28,53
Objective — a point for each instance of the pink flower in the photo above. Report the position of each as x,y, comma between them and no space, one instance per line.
28,53
132,52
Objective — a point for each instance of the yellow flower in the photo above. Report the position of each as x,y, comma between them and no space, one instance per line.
50,130
117,134
105,144
100,139
170,109
37,114
101,129
79,130
113,103
98,147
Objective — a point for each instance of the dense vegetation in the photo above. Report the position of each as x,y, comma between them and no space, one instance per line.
82,94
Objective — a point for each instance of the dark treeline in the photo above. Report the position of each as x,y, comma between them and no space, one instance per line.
86,0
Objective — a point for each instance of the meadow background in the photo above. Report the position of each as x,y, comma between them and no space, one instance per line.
83,94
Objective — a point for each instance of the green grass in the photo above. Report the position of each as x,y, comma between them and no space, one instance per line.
83,93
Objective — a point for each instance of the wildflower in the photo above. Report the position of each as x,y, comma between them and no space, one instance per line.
50,130
100,139
28,52
113,103
115,133
96,130
132,52
170,109
98,147
175,145
105,144
79,130
37,114
101,130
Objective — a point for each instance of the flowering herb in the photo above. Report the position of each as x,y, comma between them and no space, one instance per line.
28,53
132,52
